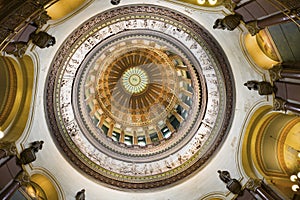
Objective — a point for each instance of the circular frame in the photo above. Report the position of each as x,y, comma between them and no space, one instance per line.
220,62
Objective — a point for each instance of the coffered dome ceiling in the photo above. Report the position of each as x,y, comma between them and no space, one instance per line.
139,97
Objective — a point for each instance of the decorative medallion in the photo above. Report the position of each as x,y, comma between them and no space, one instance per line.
134,80
139,97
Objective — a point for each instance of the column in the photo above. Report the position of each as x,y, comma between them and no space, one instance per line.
280,104
148,139
10,190
275,19
290,73
101,121
255,26
263,194
122,136
260,188
159,133
184,105
22,178
170,127
291,65
291,70
135,140
110,130
285,70
292,107
240,5
178,116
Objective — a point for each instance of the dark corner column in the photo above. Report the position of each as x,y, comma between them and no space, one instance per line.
275,19
282,105
261,189
21,179
285,70
290,73
255,26
10,190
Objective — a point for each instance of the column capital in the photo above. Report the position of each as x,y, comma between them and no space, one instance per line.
9,148
253,184
275,72
41,19
23,178
253,27
279,104
229,4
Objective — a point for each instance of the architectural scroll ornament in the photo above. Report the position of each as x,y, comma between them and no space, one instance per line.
7,149
41,19
229,4
275,72
253,27
17,49
262,191
253,184
279,104
23,178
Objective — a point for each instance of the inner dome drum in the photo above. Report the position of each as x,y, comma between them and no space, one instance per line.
140,97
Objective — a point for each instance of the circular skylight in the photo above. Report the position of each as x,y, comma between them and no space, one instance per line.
134,80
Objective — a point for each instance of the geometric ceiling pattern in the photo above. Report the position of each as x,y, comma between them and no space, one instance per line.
139,97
